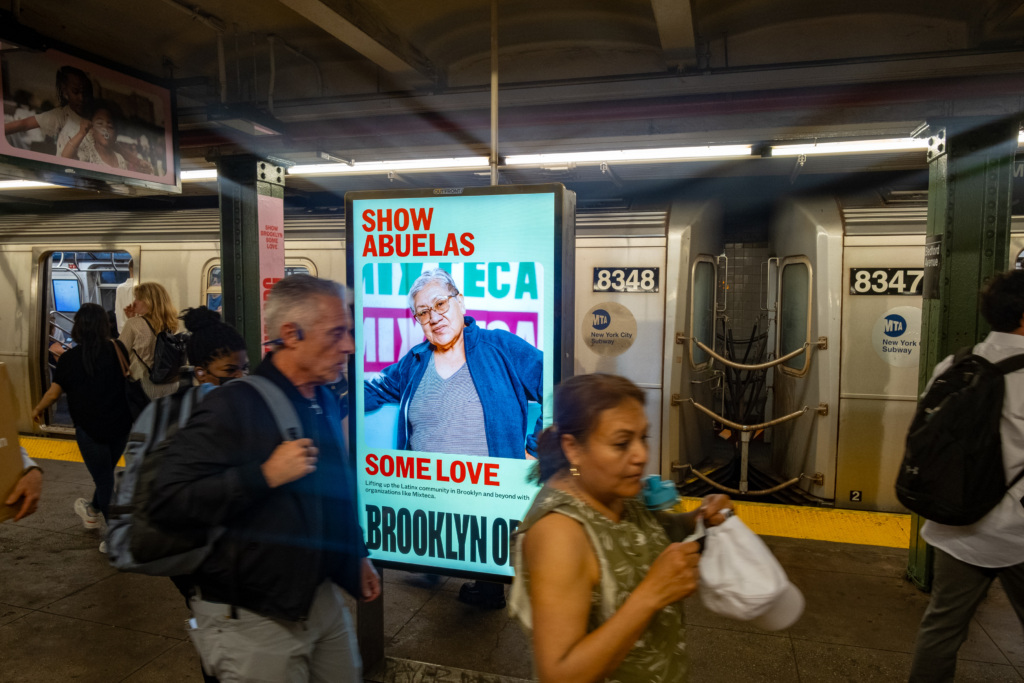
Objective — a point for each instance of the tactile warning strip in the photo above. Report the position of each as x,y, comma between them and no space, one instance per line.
53,449
821,524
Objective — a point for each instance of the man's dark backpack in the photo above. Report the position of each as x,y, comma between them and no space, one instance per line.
952,470
168,356
134,542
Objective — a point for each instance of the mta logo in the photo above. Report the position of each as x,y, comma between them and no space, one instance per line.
895,325
601,319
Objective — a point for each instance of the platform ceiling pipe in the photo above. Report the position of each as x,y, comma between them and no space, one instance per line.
494,92
273,75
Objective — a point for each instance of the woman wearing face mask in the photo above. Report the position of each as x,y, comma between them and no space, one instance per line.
215,349
217,352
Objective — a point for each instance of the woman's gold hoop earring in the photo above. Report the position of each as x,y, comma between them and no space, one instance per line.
574,471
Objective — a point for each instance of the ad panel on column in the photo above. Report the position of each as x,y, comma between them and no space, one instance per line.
455,304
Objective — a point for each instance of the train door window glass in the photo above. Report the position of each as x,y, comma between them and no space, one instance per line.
702,310
213,292
69,279
794,313
1019,261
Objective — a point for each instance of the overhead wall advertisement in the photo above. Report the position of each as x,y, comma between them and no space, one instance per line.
444,449
67,116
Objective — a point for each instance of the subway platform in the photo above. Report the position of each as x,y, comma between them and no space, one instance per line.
66,615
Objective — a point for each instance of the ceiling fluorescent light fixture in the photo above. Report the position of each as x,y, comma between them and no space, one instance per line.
408,165
632,155
199,174
851,147
23,184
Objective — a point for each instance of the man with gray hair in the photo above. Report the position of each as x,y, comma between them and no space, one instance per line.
267,603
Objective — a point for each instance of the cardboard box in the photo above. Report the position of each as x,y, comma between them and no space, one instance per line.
10,453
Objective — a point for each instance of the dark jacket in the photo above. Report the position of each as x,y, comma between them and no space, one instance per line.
280,543
506,370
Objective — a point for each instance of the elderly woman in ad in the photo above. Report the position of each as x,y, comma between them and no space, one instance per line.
465,389
600,579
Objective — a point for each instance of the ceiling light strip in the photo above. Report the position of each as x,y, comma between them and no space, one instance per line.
662,154
851,147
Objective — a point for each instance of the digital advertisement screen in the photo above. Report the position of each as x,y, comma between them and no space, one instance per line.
72,117
458,320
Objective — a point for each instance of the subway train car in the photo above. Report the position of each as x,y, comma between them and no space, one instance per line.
802,350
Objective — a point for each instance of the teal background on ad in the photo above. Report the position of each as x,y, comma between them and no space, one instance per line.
505,228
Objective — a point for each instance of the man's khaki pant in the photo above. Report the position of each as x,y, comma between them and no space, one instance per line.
260,649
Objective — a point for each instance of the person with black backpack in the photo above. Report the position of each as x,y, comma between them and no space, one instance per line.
969,555
267,602
156,349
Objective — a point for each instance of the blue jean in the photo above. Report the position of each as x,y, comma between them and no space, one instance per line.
100,459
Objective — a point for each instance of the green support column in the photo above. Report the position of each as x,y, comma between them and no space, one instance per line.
970,172
241,181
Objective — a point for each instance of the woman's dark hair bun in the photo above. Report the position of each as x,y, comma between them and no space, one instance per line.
198,318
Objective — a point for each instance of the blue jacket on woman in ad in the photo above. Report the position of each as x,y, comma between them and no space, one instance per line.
507,373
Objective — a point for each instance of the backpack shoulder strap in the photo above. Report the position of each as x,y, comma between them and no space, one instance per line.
1011,364
962,353
280,406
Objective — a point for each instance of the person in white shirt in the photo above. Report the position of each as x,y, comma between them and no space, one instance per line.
969,558
74,95
124,297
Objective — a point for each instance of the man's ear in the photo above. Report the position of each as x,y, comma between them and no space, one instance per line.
291,334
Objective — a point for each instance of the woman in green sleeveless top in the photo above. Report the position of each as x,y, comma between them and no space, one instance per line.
600,584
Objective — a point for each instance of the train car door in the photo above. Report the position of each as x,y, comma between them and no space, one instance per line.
620,304
881,290
68,279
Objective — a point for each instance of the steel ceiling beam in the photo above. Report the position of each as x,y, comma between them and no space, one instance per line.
384,49
676,31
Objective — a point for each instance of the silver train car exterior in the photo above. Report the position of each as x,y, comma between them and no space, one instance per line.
652,288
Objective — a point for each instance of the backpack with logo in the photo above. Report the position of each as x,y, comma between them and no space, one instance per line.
952,470
168,356
134,542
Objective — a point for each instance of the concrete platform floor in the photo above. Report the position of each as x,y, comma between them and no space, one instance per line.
66,615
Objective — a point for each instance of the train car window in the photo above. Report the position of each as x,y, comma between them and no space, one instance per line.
1018,264
702,310
213,293
794,313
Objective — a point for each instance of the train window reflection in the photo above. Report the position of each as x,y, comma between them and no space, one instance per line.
702,310
1018,263
213,292
794,314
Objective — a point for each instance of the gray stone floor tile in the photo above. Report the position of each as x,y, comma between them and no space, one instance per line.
997,618
16,534
729,656
56,512
699,615
57,565
9,613
873,612
846,558
59,470
829,663
985,672
150,604
180,664
401,604
448,632
419,580
44,648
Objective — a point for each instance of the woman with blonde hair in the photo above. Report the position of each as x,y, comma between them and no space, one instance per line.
150,314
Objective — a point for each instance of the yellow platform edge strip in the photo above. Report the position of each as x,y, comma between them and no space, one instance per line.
791,521
860,527
53,449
